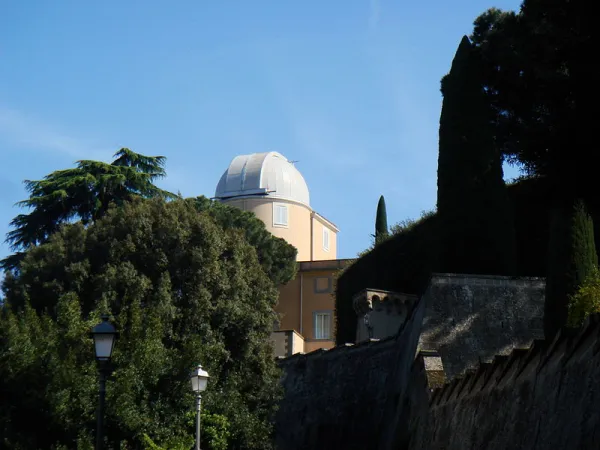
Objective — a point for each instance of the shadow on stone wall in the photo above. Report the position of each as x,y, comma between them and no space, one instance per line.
545,397
470,318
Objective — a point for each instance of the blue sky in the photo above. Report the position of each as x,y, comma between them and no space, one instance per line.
348,88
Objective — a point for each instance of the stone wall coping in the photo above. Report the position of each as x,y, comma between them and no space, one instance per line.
428,353
384,292
288,330
484,276
502,370
347,345
447,277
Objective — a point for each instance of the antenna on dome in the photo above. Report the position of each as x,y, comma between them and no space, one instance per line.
294,161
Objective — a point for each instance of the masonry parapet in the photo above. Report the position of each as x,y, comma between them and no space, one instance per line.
505,371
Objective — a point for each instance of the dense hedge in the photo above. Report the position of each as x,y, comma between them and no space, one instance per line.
406,261
402,263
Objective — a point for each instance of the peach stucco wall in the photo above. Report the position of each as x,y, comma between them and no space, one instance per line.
288,307
297,233
319,253
291,303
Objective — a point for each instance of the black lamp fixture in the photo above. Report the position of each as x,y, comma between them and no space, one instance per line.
104,335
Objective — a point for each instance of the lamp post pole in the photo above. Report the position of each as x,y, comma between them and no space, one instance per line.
198,408
199,378
100,419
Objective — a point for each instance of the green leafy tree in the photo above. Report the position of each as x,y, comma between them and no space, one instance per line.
398,228
585,301
181,289
537,76
573,262
82,193
476,223
276,256
214,436
381,225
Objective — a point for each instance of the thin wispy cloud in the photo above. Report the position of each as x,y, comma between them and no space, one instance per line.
374,13
30,133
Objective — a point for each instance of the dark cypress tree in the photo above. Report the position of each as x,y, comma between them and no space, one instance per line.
585,258
572,258
381,225
476,222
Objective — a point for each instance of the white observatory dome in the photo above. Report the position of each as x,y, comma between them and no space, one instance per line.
263,174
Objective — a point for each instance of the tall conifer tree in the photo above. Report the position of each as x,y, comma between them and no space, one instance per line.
381,225
572,260
477,228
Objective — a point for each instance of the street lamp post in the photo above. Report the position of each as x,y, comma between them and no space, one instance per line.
104,335
199,378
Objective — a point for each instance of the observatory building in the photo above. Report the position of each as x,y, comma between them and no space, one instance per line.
271,187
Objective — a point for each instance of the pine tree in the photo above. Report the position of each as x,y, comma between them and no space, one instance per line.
82,193
476,222
381,225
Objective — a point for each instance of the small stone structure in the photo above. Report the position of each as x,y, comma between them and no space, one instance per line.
433,367
287,342
470,318
381,313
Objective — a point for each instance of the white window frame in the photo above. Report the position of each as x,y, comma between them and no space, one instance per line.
318,332
326,239
276,218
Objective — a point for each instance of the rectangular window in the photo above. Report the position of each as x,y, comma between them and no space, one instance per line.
280,215
322,325
325,239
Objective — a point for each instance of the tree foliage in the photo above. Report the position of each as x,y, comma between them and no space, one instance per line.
585,258
82,193
381,224
586,300
181,289
215,434
275,255
573,262
538,75
476,223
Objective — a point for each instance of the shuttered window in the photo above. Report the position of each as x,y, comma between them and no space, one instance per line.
280,215
325,239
